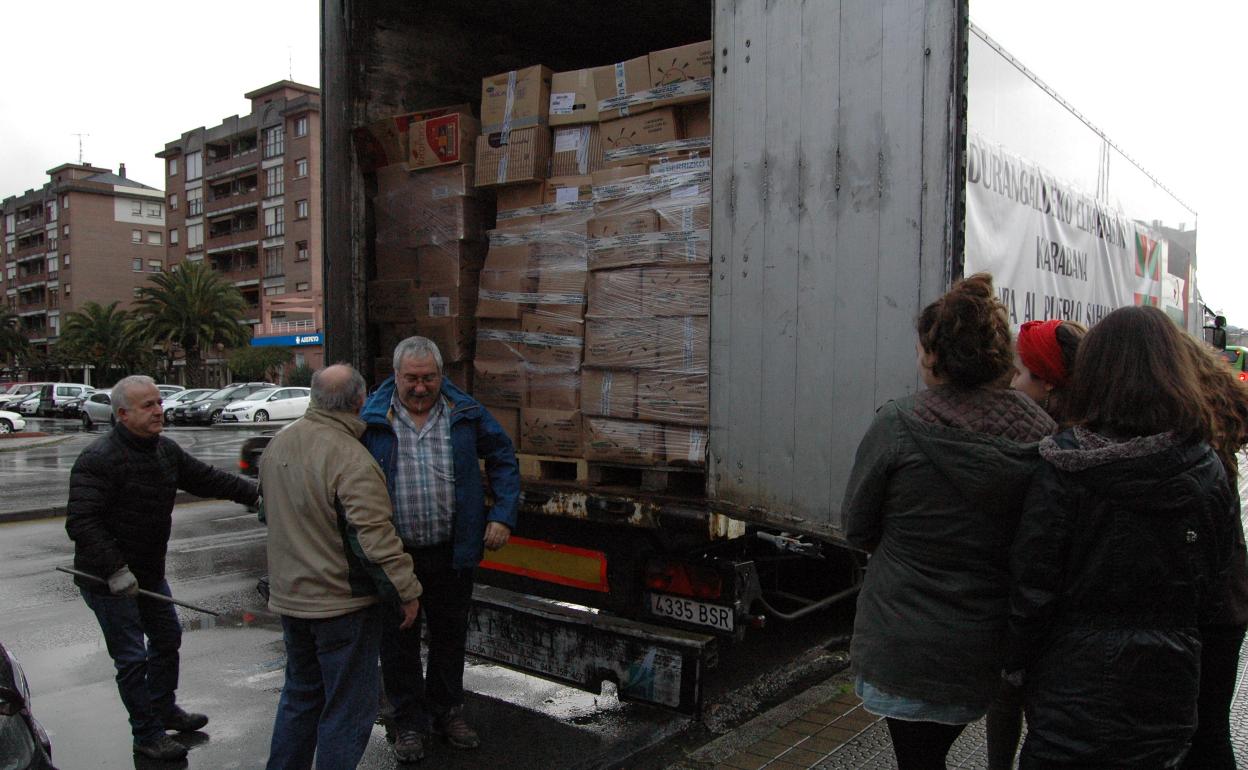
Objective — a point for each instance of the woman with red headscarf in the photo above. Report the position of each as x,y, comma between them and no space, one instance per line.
1044,355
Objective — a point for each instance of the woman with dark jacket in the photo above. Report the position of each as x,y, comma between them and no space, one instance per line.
934,495
1123,548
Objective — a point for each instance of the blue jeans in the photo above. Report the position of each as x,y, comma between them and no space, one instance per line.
330,697
417,698
147,672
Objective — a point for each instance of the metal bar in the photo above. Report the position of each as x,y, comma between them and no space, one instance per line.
142,592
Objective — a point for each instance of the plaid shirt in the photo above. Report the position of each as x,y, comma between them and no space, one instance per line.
424,476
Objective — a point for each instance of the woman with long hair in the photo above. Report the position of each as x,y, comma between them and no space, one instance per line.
934,496
1124,542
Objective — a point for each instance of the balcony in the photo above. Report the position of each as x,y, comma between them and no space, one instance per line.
30,223
32,305
237,265
281,328
27,279
233,229
232,199
30,244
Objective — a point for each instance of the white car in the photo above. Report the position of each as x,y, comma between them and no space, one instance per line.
28,406
97,409
269,404
168,403
11,422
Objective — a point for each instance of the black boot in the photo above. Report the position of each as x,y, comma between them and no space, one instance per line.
184,722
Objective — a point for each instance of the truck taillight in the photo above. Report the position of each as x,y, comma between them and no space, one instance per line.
690,580
1243,376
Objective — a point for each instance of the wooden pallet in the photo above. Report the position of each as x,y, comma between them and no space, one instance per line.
676,480
551,468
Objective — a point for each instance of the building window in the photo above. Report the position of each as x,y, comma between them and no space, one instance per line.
136,265
273,262
194,165
68,289
301,286
301,209
274,141
154,265
153,238
64,201
65,232
273,291
54,325
274,221
66,260
194,237
136,236
173,236
52,211
173,167
301,251
12,272
301,167
173,202
136,208
152,210
301,126
195,202
274,181
52,266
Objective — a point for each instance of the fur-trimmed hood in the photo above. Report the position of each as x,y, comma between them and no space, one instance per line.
1092,449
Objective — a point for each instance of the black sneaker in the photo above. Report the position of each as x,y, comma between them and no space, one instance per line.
161,747
409,746
184,722
454,729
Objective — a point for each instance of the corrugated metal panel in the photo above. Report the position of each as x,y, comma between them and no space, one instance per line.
835,157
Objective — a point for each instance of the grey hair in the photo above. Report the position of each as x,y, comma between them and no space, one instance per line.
336,394
119,397
417,347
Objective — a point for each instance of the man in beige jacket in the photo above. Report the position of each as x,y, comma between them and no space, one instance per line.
333,556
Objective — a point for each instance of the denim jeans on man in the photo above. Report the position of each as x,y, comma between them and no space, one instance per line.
329,701
417,698
147,672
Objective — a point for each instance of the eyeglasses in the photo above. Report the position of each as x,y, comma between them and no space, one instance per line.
424,379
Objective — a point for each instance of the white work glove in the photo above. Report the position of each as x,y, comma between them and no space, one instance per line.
123,583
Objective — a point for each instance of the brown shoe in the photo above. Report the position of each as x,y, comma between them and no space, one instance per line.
455,730
409,746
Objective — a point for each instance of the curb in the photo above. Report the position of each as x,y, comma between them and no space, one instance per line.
34,441
58,511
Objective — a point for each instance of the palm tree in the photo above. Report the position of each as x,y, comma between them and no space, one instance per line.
104,337
12,341
194,308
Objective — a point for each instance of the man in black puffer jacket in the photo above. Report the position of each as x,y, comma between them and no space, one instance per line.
121,495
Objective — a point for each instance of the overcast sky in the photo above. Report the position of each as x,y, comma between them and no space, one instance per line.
1163,80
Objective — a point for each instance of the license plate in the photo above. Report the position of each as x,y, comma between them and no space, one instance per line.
690,611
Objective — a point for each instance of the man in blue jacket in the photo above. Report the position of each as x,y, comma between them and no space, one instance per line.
428,436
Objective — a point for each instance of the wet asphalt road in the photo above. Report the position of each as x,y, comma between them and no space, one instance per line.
232,666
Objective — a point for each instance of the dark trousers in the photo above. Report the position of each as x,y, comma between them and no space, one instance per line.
922,745
329,700
418,697
147,670
1004,727
1219,665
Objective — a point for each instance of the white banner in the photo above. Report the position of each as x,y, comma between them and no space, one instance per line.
1054,252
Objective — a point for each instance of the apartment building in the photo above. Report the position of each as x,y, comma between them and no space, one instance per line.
245,196
88,234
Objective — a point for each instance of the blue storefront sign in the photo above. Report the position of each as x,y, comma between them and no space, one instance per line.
288,340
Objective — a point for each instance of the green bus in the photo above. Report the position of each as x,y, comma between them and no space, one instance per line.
1237,357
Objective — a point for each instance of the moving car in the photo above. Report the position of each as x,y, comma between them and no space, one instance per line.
181,398
209,409
11,422
269,404
97,408
23,743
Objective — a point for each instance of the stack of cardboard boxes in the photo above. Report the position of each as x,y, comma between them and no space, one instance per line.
430,225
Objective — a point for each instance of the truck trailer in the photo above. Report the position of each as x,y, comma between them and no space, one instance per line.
858,166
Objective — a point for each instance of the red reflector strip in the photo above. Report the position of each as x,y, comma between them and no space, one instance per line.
552,563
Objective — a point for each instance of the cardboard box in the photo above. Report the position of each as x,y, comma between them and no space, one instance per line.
442,140
651,128
561,289
502,292
568,188
576,150
500,383
455,336
676,67
550,432
684,446
695,120
615,294
618,441
613,174
519,98
684,343
509,419
609,392
514,199
384,142
392,301
682,398
425,186
553,387
447,221
622,79
499,340
522,157
451,263
552,340
573,98
676,291
607,246
622,342
692,224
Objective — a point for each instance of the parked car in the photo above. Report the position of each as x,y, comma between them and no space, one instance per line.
11,422
28,405
209,409
269,404
182,398
72,408
23,743
168,390
16,392
97,409
53,395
